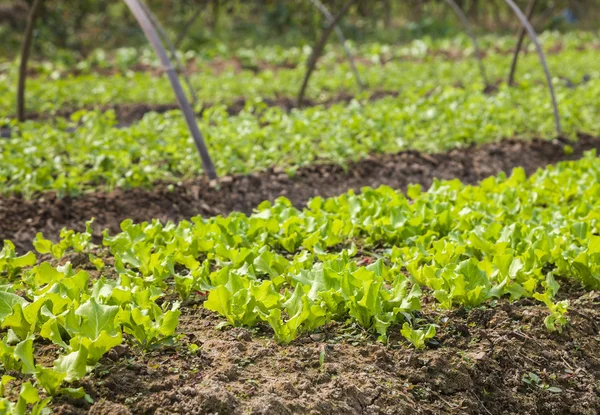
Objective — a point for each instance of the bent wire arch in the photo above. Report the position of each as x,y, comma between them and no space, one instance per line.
465,22
150,32
330,18
513,65
318,49
162,32
340,34
190,118
541,55
188,25
25,49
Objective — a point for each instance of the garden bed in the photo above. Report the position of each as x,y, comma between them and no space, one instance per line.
494,359
22,218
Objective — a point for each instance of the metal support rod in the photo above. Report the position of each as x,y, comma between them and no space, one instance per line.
340,34
25,49
173,50
465,22
540,52
146,25
312,61
513,65
189,24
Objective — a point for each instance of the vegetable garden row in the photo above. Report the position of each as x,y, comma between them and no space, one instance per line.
227,82
460,298
369,259
91,150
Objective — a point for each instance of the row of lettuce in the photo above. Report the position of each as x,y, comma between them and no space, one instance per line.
101,155
368,259
225,83
264,56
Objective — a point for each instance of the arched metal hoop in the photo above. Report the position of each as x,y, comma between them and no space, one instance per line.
150,32
331,20
318,49
465,22
188,25
515,59
190,118
340,34
172,49
540,52
25,49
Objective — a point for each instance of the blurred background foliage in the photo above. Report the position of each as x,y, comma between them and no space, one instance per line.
84,25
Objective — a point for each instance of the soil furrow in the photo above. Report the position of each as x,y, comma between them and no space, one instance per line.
20,219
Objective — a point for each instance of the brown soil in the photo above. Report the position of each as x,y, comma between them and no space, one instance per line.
477,365
20,219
